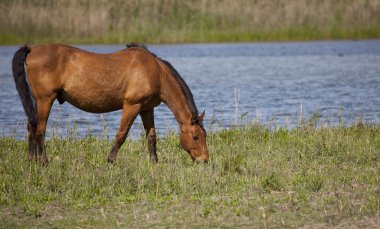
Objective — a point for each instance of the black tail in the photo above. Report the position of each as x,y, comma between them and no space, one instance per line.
22,86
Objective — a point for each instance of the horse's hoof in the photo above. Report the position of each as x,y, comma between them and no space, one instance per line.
111,160
45,162
154,159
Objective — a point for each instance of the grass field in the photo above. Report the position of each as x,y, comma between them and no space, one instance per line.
174,21
257,177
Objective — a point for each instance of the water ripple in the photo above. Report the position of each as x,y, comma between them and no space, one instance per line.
275,83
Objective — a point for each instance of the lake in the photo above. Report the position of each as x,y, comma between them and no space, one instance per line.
274,84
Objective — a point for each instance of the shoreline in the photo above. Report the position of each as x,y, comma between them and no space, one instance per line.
101,41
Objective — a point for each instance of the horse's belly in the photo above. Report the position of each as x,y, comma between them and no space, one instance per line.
93,102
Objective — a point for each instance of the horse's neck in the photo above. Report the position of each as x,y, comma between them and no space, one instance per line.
173,96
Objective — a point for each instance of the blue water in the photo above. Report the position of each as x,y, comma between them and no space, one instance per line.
275,84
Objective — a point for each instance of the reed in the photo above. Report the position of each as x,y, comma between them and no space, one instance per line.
172,21
307,176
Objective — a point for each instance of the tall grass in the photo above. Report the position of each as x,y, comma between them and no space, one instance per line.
306,176
157,21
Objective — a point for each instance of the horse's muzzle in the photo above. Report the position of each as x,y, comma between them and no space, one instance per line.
202,159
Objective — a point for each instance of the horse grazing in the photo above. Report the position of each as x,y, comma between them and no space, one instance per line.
133,79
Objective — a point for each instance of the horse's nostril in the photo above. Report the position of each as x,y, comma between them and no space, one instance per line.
201,159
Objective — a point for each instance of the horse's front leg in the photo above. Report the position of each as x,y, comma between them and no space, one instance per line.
147,118
129,115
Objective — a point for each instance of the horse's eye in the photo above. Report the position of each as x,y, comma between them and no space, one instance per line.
195,137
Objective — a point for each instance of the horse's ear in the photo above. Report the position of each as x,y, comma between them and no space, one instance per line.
200,118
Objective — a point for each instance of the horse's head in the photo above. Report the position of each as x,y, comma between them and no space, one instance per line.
193,139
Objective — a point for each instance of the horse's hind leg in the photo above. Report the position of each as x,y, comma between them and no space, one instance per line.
129,114
32,141
147,118
43,110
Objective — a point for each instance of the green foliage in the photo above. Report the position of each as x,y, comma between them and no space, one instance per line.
174,21
255,177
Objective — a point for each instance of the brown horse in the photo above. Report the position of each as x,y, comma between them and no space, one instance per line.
133,79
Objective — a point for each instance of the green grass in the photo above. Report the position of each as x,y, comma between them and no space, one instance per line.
256,177
197,36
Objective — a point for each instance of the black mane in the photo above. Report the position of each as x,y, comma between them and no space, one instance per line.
185,89
139,45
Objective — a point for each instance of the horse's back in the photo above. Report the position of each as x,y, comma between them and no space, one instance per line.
90,81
